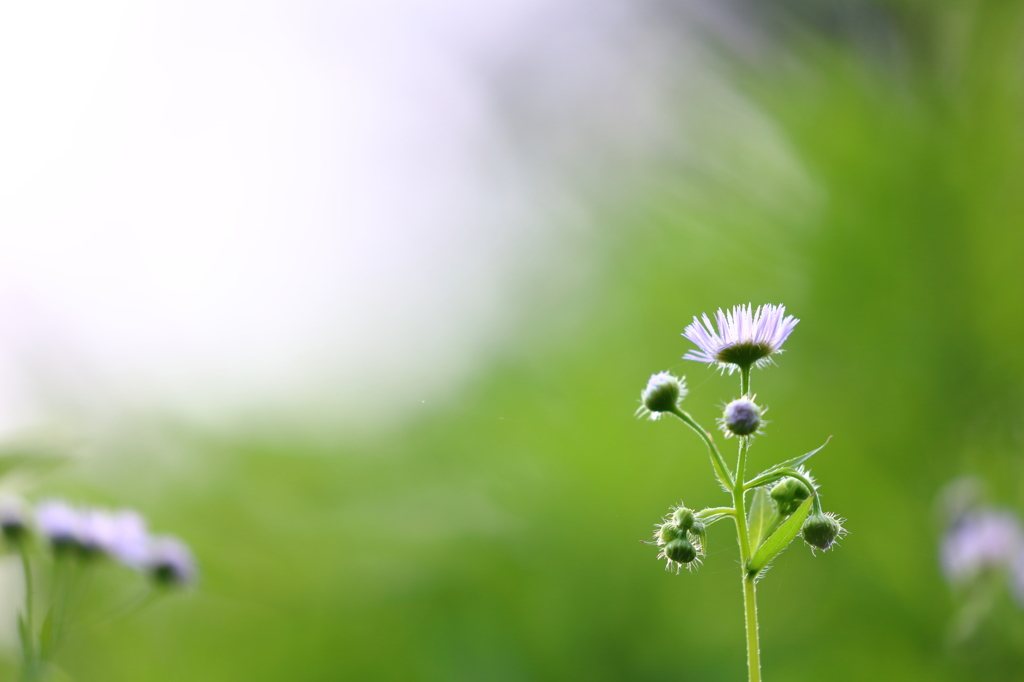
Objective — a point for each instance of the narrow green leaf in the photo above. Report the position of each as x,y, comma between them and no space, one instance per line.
797,461
762,509
793,462
780,539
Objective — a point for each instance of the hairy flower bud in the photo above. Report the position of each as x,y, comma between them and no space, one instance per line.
684,518
742,417
680,551
663,393
788,494
667,532
821,530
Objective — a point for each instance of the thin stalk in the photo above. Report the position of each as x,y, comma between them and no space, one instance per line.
749,596
721,468
711,511
29,645
753,647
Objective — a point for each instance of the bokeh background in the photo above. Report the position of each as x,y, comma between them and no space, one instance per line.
358,299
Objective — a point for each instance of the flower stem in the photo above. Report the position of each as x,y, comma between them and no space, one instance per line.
753,648
749,599
739,504
31,660
721,468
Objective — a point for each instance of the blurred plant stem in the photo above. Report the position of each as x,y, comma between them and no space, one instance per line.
31,653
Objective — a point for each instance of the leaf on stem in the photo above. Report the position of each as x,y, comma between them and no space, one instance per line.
793,462
780,539
761,517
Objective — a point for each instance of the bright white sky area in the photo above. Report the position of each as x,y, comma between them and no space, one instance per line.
222,205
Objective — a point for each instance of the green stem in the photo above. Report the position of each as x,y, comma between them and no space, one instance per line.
721,468
753,648
29,653
739,504
712,511
749,599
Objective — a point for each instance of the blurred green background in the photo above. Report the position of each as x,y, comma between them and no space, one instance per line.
495,535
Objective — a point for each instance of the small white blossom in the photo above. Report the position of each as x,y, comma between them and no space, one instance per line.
744,338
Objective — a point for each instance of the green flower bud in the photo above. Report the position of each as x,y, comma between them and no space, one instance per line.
742,417
667,532
788,494
680,551
663,393
821,530
683,518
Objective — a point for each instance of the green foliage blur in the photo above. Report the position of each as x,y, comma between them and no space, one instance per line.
496,534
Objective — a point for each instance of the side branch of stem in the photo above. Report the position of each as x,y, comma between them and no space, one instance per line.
722,471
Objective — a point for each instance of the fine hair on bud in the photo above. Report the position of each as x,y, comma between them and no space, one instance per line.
822,530
789,494
741,417
662,394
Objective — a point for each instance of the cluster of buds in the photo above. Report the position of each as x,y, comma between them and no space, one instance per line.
681,537
86,533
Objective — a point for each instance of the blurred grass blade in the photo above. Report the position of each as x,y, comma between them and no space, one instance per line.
780,539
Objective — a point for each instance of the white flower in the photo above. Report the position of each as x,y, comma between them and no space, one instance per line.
744,338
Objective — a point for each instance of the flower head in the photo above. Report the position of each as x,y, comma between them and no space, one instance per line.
978,540
60,523
822,530
13,524
745,338
662,394
120,535
741,417
170,562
